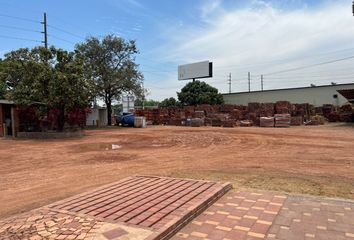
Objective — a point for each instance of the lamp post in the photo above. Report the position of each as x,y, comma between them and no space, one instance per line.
353,8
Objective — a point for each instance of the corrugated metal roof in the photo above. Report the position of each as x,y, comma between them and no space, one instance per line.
348,94
283,89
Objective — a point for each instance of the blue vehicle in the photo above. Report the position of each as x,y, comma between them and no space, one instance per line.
126,119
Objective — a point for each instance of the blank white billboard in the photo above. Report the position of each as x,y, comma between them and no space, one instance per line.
195,70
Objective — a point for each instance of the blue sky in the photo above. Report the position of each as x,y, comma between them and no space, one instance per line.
237,35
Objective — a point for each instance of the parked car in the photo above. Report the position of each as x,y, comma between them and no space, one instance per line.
125,119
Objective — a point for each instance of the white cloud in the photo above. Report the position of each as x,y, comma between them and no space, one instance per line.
262,38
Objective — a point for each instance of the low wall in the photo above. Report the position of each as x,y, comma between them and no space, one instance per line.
50,135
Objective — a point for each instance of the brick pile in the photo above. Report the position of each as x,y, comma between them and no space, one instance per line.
229,115
282,107
282,120
267,122
346,113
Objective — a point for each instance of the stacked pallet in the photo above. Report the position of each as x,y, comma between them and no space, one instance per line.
296,120
254,107
334,117
246,123
282,107
226,108
346,113
267,110
282,120
267,122
236,114
199,114
254,118
327,109
196,122
229,123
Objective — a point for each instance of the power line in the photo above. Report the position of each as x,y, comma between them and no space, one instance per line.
310,66
18,38
67,32
19,28
19,18
61,39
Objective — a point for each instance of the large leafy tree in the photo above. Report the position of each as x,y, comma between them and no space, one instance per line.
2,81
169,102
52,77
198,92
110,63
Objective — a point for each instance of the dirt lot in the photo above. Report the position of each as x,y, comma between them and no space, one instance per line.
311,160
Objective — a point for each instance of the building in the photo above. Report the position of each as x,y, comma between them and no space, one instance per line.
9,122
316,95
97,117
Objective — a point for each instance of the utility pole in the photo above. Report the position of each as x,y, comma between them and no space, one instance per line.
353,8
45,30
230,83
262,82
249,82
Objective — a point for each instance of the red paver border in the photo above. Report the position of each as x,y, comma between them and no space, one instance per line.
178,223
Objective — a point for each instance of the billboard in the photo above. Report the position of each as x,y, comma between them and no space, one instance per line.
195,70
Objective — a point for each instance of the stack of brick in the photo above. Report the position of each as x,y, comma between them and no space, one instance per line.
236,114
198,114
333,117
229,123
266,121
282,120
267,110
246,123
346,113
188,111
296,120
282,107
254,109
208,109
226,108
196,122
254,117
327,109
316,120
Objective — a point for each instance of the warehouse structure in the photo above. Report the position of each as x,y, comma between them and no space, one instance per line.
315,95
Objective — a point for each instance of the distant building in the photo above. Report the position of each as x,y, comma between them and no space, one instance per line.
97,117
315,95
8,119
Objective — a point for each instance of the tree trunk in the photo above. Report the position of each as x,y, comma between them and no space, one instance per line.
109,110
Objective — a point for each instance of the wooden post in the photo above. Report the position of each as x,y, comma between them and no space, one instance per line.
14,121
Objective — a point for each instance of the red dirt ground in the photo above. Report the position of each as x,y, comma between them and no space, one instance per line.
313,160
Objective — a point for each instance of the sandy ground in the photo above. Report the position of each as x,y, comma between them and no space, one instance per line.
316,160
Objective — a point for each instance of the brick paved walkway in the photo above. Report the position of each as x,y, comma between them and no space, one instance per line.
254,216
140,208
148,208
311,218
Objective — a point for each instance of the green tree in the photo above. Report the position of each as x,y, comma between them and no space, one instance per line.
53,77
169,102
2,81
2,89
198,92
110,63
147,103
